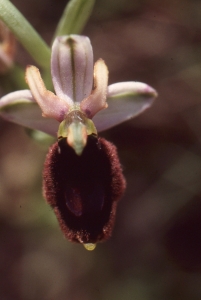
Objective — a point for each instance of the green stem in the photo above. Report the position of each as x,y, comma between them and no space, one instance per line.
75,16
25,33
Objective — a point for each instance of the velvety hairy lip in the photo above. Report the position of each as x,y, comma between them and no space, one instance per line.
84,190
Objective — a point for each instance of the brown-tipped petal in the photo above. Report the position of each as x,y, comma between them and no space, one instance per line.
97,100
51,105
84,190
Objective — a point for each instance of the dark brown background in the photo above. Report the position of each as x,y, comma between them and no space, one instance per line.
155,250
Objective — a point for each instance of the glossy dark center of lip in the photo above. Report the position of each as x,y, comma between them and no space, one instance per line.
93,199
74,201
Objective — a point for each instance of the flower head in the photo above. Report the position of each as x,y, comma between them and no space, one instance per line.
82,176
80,93
78,87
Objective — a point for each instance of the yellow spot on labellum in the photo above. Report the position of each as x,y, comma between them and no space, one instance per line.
89,246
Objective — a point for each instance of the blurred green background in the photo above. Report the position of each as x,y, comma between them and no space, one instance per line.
155,250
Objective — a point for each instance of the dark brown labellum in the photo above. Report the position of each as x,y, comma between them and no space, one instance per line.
84,190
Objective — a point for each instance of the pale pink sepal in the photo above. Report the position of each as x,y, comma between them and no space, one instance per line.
72,67
125,101
51,105
97,100
20,107
130,87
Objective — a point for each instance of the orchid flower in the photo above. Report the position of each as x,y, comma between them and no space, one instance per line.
82,176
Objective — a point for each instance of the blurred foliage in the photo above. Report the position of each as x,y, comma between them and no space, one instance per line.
154,252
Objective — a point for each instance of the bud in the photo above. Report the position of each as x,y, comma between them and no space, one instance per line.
7,48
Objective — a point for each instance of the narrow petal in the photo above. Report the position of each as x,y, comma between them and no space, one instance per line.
126,100
51,105
97,100
72,67
20,108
